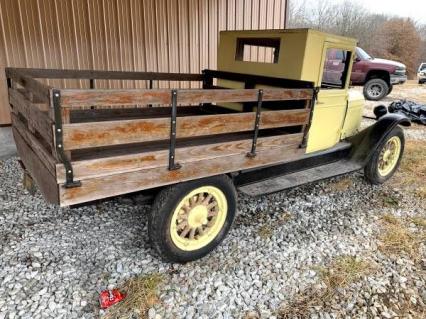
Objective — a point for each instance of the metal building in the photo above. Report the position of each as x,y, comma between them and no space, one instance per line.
143,35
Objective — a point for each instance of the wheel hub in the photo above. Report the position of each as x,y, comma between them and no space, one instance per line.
197,216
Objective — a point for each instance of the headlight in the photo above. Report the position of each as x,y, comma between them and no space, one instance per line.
400,70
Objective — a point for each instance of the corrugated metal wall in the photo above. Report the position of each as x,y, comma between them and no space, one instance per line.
143,35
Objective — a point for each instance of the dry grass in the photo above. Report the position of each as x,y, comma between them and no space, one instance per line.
412,172
389,200
265,231
419,221
341,185
141,294
343,271
395,238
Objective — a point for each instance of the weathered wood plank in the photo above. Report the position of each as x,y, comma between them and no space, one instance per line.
87,169
95,134
109,75
36,146
102,97
45,181
79,98
39,89
38,119
241,95
123,183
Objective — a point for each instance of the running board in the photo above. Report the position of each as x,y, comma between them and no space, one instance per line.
294,179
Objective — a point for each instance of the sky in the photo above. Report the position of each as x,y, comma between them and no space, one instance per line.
415,9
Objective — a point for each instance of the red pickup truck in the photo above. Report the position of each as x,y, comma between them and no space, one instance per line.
376,75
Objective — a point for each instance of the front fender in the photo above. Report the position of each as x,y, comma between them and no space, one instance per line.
368,140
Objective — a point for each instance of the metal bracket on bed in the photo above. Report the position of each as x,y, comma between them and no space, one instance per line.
311,112
59,141
172,164
252,153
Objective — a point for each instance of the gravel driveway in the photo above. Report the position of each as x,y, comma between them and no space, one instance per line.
54,262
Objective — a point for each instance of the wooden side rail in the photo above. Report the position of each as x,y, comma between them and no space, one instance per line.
42,91
111,97
96,134
104,166
37,119
107,75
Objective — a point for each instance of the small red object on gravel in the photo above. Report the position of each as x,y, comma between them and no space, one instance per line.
107,298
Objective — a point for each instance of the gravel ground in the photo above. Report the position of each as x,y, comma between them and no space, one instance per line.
54,262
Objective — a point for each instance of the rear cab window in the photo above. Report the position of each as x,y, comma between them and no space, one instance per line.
336,68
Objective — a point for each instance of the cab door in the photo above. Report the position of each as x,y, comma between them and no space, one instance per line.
332,100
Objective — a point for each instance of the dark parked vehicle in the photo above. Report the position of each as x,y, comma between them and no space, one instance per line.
376,75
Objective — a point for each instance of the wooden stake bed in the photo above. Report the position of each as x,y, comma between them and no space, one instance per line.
82,145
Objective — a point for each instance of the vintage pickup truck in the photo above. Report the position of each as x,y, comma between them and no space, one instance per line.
257,125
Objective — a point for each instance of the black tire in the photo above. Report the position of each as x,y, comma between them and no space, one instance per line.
371,170
166,202
390,89
375,89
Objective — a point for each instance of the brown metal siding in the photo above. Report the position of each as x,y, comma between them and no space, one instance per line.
143,35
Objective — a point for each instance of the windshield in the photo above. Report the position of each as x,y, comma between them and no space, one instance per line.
362,54
422,67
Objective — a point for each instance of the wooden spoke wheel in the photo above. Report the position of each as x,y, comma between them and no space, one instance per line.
389,155
188,220
198,218
386,158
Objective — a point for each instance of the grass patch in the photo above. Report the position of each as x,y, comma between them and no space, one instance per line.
341,185
265,231
343,271
419,221
141,294
389,200
395,238
412,172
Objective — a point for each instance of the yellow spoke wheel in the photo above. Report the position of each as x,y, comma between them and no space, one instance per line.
385,158
198,218
389,156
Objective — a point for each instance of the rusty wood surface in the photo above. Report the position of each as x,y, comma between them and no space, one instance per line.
40,90
36,118
108,75
87,169
101,97
241,95
104,97
117,184
95,134
45,181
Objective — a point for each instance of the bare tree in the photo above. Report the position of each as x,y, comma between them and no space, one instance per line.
382,35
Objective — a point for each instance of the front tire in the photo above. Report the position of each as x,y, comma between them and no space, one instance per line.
386,158
189,220
375,89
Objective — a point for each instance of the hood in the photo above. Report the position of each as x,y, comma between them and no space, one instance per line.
384,61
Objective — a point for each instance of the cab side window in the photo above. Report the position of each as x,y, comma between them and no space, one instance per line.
336,67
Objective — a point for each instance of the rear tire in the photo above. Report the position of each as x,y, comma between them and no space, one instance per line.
386,158
375,89
189,220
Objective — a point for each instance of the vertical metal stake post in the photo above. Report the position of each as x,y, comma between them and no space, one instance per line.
172,164
252,153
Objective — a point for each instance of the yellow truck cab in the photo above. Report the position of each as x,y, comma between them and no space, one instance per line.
299,54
